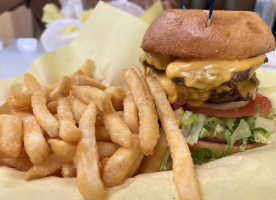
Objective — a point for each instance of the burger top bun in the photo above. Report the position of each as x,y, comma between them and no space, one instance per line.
232,34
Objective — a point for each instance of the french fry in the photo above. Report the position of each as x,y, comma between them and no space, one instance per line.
106,149
49,166
62,149
102,134
77,107
183,169
45,119
179,112
117,95
11,135
117,129
31,82
62,89
87,160
136,165
22,162
85,69
103,163
152,163
131,114
68,170
34,142
87,81
148,120
68,130
52,107
99,120
88,94
121,114
20,100
139,73
118,166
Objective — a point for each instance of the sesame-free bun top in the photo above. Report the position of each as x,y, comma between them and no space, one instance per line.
232,34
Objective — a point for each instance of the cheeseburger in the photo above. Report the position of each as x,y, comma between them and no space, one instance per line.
210,72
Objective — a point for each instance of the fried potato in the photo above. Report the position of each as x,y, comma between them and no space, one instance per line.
99,120
148,119
87,81
22,162
136,165
117,129
117,95
49,166
88,94
62,149
31,82
20,100
102,134
119,165
62,89
152,163
87,160
77,107
52,107
45,119
103,163
85,69
183,169
179,112
34,142
68,170
106,149
131,114
11,135
68,130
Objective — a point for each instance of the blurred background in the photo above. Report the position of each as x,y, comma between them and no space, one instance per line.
29,28
22,18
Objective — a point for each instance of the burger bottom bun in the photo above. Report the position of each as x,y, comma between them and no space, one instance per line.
218,148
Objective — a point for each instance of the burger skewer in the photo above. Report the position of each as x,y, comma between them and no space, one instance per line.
211,5
184,4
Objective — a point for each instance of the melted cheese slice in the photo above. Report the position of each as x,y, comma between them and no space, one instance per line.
207,74
201,76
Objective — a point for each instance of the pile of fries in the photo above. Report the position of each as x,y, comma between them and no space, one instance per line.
78,127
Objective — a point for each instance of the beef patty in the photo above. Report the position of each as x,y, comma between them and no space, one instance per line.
225,96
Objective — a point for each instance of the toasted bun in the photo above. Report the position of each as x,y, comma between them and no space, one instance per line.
218,148
232,34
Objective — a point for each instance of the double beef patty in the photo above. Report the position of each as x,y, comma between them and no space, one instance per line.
225,96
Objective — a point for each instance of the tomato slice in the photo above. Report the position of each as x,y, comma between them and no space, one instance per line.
265,104
178,103
247,110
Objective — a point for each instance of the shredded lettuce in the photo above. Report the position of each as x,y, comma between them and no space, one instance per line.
203,133
186,130
244,144
227,137
189,118
212,122
195,130
205,155
230,122
219,130
262,122
163,165
242,131
261,138
256,128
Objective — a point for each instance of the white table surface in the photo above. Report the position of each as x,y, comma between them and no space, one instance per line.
14,62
